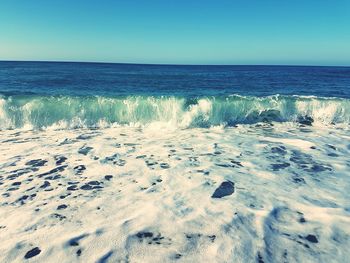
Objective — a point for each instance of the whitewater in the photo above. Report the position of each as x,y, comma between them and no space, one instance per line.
40,112
131,194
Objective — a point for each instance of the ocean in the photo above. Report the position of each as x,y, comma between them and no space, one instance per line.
160,163
44,94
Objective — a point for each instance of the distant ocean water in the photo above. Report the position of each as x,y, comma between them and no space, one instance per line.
44,94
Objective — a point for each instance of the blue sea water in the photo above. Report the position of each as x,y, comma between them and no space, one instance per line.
103,79
87,94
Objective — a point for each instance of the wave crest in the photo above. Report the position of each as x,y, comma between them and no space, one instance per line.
72,112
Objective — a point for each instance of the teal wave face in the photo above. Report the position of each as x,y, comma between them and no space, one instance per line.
72,112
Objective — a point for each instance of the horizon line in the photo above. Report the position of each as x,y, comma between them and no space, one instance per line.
172,64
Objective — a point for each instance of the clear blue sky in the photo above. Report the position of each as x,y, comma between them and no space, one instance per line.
308,32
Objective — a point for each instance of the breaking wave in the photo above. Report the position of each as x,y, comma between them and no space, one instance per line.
64,112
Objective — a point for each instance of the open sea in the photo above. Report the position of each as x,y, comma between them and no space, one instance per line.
164,163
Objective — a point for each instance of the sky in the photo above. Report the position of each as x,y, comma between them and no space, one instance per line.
292,32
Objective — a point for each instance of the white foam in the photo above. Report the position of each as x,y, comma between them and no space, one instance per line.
158,205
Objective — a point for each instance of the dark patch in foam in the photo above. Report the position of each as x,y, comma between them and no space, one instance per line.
85,136
72,188
260,258
281,150
300,158
12,189
24,198
332,147
91,185
59,216
85,150
64,196
60,159
115,159
164,166
298,180
232,164
60,207
226,188
74,242
333,155
151,238
305,162
55,170
212,238
319,168
108,177
36,163
79,169
67,141
32,253
236,163
19,172
279,166
150,162
131,144
45,184
311,238
105,257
